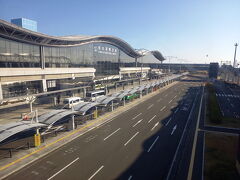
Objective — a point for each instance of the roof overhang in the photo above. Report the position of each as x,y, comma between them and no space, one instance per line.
13,32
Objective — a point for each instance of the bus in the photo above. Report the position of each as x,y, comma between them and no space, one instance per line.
94,95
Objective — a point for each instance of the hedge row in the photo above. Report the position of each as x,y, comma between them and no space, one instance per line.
214,112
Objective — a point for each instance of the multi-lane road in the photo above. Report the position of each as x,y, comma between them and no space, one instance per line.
152,140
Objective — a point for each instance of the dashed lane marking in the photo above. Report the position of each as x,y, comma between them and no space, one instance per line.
150,106
96,172
153,144
163,108
151,118
111,134
63,168
136,116
131,138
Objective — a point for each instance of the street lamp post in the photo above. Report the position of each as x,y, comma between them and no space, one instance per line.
234,60
142,66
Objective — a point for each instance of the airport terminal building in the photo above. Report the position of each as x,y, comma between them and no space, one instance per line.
32,62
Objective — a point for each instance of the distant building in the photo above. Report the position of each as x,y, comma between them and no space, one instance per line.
25,23
213,70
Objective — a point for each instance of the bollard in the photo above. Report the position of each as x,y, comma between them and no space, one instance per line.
37,140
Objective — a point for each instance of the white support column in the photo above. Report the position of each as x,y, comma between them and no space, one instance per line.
44,85
36,118
1,92
71,123
112,106
84,92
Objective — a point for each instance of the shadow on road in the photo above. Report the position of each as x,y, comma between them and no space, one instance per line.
158,150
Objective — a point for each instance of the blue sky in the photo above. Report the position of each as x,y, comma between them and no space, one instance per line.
186,29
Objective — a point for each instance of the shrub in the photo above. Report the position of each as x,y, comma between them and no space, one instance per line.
213,108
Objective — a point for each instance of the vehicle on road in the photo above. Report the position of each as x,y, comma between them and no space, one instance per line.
72,101
94,95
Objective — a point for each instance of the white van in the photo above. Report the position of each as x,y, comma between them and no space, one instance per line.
72,101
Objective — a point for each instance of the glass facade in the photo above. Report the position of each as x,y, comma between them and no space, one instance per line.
104,57
15,54
25,23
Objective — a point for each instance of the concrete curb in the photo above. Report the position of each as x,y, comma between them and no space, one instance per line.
53,144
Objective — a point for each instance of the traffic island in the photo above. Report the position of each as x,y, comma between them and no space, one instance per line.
220,157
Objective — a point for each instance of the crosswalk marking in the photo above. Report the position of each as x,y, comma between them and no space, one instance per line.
228,95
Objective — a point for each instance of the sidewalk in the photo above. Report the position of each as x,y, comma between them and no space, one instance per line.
15,114
25,157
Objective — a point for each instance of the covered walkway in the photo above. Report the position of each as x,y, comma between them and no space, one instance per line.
11,129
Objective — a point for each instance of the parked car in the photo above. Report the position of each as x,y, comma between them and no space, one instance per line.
72,101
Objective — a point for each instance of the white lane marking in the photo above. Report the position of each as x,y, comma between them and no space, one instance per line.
150,106
96,172
168,121
151,118
170,101
111,134
136,116
176,111
63,168
174,97
222,112
153,144
174,128
137,122
154,126
159,100
131,138
163,108
130,177
35,173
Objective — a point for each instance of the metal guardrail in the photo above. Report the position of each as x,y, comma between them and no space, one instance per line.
7,149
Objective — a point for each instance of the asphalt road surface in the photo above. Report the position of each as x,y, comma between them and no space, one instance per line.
229,102
152,140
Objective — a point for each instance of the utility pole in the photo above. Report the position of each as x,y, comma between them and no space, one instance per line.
234,60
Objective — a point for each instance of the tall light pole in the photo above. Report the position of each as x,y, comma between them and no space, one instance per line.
141,66
234,60
206,58
169,57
